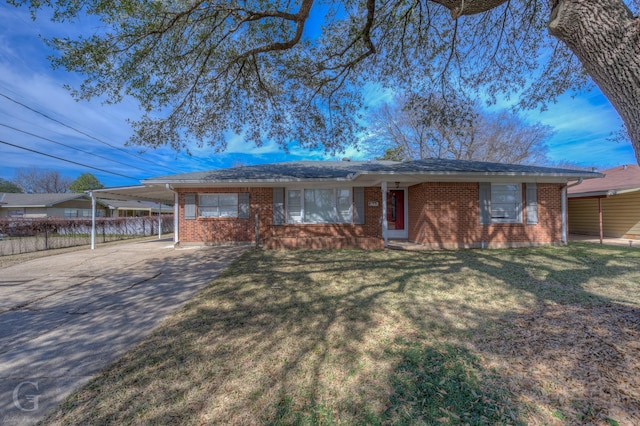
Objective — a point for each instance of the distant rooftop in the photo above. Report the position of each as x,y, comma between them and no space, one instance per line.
37,200
620,178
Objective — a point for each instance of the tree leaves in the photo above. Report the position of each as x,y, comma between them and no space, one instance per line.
201,69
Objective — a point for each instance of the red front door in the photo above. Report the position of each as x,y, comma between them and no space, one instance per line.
395,209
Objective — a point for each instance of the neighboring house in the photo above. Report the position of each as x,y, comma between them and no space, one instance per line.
609,207
438,203
134,208
46,205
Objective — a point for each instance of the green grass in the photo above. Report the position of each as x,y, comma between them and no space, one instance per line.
473,337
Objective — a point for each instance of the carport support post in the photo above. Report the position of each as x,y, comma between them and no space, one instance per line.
564,215
600,218
159,221
175,214
175,217
93,221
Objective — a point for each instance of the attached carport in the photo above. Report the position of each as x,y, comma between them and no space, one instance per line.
160,194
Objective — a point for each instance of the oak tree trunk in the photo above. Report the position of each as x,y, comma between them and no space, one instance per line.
605,36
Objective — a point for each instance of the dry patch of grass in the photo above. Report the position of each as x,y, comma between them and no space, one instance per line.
383,337
573,363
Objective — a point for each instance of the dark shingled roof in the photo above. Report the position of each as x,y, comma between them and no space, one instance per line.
295,170
347,170
448,166
37,200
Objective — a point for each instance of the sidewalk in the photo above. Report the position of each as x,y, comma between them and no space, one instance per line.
66,317
626,242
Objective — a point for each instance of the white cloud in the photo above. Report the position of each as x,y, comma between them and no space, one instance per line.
590,112
374,95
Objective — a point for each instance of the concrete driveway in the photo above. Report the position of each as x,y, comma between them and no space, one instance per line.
65,317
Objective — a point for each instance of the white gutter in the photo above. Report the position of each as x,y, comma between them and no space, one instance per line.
591,194
565,213
575,183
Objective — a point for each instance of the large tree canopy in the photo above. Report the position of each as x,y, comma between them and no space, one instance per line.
41,181
85,182
8,186
418,126
295,70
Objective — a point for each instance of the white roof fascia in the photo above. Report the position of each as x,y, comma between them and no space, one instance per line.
591,194
604,193
374,177
626,191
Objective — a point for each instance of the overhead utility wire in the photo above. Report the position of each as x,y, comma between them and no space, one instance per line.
82,133
68,161
69,146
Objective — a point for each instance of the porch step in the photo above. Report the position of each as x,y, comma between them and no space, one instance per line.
406,245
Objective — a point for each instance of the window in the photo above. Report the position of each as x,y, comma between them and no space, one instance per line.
79,213
318,205
500,203
343,205
219,205
506,202
294,206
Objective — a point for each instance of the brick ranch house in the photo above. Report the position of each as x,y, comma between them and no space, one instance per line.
315,204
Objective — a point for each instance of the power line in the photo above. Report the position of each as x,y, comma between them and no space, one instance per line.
65,160
69,146
82,132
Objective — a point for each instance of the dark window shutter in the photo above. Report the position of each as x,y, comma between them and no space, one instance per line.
358,205
190,206
532,203
485,203
278,206
243,205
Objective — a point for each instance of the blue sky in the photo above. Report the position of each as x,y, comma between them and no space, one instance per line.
582,124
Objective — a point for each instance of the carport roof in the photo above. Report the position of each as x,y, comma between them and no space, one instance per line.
153,193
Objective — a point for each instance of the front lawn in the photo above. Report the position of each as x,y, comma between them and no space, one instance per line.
529,336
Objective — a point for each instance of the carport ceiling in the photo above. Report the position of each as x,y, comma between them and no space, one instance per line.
156,194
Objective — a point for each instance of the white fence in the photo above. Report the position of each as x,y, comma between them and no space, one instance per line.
18,235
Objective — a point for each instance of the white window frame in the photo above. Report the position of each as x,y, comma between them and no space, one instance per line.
300,214
77,213
502,189
224,211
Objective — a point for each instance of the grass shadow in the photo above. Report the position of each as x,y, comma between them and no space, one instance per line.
353,337
440,382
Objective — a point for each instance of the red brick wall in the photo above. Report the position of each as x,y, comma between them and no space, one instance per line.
221,230
447,215
214,230
441,215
